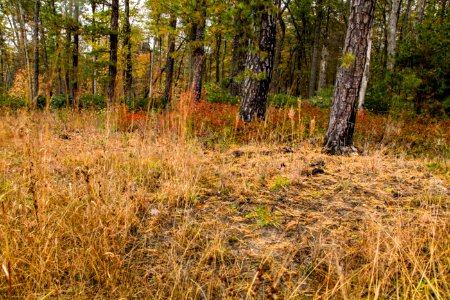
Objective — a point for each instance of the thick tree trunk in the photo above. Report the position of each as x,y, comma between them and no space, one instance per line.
75,51
198,59
392,33
339,135
316,51
37,5
127,47
365,78
170,61
113,52
255,87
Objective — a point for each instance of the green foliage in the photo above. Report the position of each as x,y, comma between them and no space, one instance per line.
282,100
279,182
324,97
58,102
90,101
216,93
12,102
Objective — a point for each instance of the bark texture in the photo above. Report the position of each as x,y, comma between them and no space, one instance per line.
170,61
198,51
113,51
239,52
339,135
259,67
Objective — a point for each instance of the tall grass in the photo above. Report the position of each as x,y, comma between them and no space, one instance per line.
181,206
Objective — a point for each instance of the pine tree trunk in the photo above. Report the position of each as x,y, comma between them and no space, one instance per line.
170,61
127,47
198,59
113,52
316,51
392,33
37,5
339,135
75,51
255,87
239,48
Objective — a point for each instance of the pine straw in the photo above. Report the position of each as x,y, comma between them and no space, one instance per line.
91,214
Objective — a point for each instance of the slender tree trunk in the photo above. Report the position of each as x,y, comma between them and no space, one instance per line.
277,56
170,61
339,135
198,52
37,5
255,87
365,78
75,51
127,47
224,54
113,52
316,50
392,33
217,55
420,11
94,56
405,24
323,68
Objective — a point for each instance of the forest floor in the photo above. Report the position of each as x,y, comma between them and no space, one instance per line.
92,213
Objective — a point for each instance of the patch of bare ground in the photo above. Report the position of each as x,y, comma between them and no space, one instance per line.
92,213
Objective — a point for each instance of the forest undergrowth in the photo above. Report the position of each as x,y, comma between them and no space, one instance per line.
181,206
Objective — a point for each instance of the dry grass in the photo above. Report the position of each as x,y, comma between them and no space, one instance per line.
90,213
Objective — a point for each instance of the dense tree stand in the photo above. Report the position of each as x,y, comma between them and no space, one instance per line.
339,135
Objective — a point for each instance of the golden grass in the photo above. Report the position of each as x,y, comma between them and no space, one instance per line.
92,213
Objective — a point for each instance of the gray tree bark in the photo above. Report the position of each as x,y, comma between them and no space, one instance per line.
392,33
170,61
316,50
365,78
341,126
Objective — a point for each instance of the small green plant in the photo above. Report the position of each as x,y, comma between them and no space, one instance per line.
263,217
279,183
215,93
